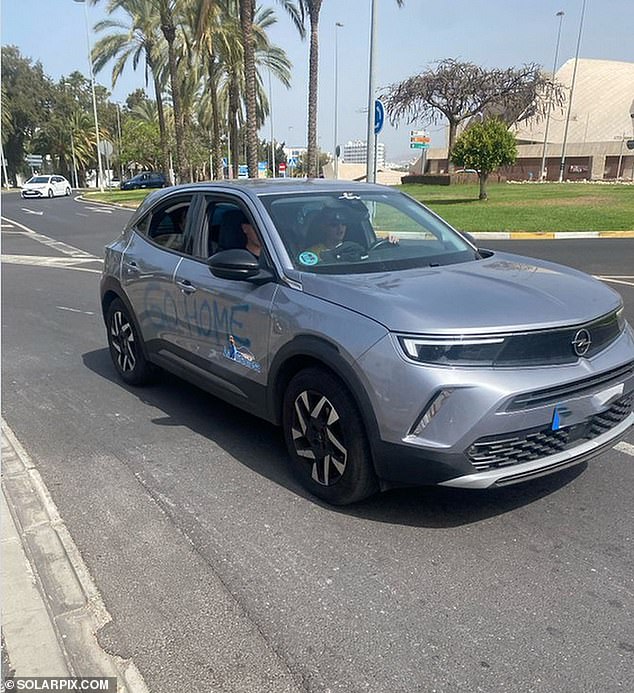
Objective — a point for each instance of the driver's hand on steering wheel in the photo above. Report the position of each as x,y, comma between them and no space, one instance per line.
391,238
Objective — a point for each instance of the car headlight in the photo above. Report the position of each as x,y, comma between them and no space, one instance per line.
464,351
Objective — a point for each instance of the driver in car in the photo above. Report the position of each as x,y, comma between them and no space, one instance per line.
331,230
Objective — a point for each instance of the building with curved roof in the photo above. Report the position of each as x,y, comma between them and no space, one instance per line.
601,124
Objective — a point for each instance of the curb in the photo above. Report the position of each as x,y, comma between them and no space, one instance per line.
548,235
56,634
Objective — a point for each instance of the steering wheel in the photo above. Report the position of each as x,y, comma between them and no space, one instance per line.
348,251
379,244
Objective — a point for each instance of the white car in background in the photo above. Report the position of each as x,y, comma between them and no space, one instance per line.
46,186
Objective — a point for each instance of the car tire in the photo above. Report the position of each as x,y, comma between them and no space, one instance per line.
326,438
126,348
67,192
50,192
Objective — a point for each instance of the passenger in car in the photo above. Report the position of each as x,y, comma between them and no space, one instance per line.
236,231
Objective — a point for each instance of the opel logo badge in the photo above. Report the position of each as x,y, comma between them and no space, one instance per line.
581,342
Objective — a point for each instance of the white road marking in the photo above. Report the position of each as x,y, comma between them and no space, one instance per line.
30,211
75,310
616,279
55,262
52,243
103,210
627,448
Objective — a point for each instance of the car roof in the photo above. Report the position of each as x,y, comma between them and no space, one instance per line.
254,187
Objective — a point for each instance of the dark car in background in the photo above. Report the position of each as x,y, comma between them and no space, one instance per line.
402,354
145,179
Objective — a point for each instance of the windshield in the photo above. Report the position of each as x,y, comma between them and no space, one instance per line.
354,232
38,179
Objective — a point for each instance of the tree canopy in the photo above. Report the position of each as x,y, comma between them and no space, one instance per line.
485,146
457,91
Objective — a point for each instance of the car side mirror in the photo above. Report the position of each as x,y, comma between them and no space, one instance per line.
239,265
469,237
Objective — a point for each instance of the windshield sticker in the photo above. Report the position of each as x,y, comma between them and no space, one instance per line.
308,258
241,355
349,196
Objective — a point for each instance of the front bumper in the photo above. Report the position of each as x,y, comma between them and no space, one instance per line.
477,428
33,193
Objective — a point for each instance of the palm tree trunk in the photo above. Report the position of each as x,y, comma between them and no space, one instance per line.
247,11
162,127
234,107
218,173
313,74
169,31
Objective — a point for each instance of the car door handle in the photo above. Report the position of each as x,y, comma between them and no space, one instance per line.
186,286
131,266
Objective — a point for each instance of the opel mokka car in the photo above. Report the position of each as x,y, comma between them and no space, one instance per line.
401,355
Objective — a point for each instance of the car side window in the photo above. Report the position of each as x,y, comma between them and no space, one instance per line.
167,224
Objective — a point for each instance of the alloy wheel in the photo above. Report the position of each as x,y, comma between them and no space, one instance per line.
122,341
318,437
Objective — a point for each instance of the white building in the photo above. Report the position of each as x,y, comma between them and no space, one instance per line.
355,152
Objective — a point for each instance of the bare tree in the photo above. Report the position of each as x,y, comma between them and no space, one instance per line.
457,91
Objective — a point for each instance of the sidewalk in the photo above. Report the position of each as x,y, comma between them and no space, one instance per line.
51,609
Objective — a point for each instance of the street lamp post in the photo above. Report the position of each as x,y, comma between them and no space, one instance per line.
94,97
370,146
543,170
335,151
120,142
562,164
72,138
618,166
271,116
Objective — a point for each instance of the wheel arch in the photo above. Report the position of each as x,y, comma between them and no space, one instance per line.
110,291
308,351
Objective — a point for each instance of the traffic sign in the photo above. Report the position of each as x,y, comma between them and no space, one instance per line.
379,116
33,159
292,162
106,148
282,166
419,145
629,144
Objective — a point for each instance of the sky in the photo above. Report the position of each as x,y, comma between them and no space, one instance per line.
491,33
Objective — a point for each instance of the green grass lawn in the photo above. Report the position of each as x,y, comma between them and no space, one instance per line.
543,207
546,207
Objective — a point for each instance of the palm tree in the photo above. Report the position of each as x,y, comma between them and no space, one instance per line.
247,15
136,40
217,41
208,19
168,13
312,8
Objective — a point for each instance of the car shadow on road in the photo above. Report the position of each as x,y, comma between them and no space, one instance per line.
259,446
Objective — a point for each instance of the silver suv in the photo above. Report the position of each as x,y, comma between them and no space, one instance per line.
388,347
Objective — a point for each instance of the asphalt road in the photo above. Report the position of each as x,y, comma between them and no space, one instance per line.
222,575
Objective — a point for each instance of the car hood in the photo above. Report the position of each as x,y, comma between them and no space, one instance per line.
500,293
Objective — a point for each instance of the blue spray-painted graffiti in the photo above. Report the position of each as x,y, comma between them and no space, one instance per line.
204,318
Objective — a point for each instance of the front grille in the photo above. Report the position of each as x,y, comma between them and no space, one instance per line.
494,452
556,346
553,395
